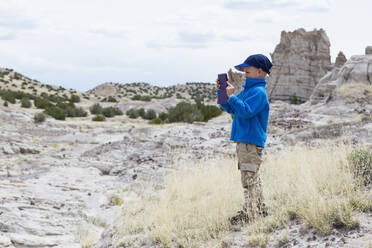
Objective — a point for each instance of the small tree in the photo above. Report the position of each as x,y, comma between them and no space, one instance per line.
25,103
150,114
95,109
108,112
141,112
39,118
163,116
56,113
75,98
132,113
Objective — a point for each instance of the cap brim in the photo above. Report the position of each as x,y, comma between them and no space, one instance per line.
241,66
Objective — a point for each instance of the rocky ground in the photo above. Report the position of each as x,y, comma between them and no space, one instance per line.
61,180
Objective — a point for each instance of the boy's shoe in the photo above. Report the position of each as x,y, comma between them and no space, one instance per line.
263,212
240,218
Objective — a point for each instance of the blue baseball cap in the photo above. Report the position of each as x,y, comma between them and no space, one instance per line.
258,61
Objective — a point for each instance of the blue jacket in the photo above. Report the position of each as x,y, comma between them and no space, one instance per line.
251,112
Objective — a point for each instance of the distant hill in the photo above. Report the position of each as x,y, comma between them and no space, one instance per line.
105,92
137,91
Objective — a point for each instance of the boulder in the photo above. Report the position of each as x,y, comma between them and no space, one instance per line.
358,69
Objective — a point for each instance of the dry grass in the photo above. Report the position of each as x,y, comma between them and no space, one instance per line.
354,90
193,208
312,185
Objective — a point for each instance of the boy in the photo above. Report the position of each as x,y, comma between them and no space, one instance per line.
251,113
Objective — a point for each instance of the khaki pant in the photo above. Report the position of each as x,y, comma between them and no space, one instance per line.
249,162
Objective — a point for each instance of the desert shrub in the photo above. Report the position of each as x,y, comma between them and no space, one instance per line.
111,99
108,112
146,98
132,113
156,121
136,97
117,111
141,98
96,109
56,112
361,165
141,112
98,118
208,111
150,114
185,112
75,98
25,103
42,103
5,104
39,117
163,116
8,96
80,112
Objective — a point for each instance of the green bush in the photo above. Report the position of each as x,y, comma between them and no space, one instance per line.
39,117
208,111
111,99
96,109
56,112
98,118
5,104
163,116
146,98
150,114
25,103
185,112
141,112
361,165
8,96
75,98
136,98
42,103
132,113
141,98
108,112
117,111
156,121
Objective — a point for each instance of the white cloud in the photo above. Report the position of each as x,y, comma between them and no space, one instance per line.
82,43
257,5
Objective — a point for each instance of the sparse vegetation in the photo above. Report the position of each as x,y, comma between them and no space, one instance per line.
354,90
99,118
25,103
316,186
96,109
109,99
361,164
39,118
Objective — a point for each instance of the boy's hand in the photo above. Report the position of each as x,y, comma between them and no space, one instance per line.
229,89
217,84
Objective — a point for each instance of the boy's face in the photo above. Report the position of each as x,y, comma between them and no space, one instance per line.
253,72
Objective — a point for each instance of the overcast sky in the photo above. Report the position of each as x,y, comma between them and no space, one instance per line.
80,44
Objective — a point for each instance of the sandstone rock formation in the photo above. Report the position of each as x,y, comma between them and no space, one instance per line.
358,69
299,61
105,90
323,90
237,79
